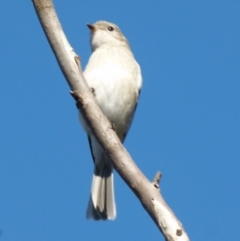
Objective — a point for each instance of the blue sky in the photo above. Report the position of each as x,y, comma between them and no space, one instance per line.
186,125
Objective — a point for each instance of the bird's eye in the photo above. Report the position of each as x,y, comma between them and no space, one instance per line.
110,28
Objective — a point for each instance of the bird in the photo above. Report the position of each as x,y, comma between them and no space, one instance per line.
114,76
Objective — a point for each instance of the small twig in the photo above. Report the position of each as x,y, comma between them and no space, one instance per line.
76,97
157,179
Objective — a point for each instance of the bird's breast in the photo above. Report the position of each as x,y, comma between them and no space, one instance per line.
115,86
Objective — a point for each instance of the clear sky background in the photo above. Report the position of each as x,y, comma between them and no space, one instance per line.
187,123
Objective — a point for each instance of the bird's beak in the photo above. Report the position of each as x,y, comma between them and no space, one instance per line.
91,27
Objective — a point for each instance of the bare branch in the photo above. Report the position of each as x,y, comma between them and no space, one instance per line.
69,63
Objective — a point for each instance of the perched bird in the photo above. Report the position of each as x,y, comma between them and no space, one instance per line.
115,78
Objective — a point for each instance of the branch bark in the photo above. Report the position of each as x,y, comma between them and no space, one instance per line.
147,192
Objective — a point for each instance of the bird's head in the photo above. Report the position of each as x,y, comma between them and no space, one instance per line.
106,34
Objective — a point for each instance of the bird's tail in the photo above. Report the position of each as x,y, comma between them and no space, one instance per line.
102,201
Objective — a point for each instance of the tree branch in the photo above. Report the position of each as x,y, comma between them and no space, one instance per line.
69,62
